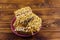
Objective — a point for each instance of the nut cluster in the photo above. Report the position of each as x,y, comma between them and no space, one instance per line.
27,21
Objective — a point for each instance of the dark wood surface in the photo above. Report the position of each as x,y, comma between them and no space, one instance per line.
48,10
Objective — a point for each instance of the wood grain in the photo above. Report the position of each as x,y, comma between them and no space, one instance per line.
48,10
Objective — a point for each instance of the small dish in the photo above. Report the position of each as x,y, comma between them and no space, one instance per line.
12,28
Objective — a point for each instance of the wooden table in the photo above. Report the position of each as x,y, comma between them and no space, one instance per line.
48,10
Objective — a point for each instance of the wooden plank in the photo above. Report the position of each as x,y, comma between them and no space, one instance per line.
25,1
6,36
34,3
6,18
55,3
42,11
3,36
9,36
50,34
37,10
4,25
5,30
34,9
54,39
46,3
14,1
8,6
